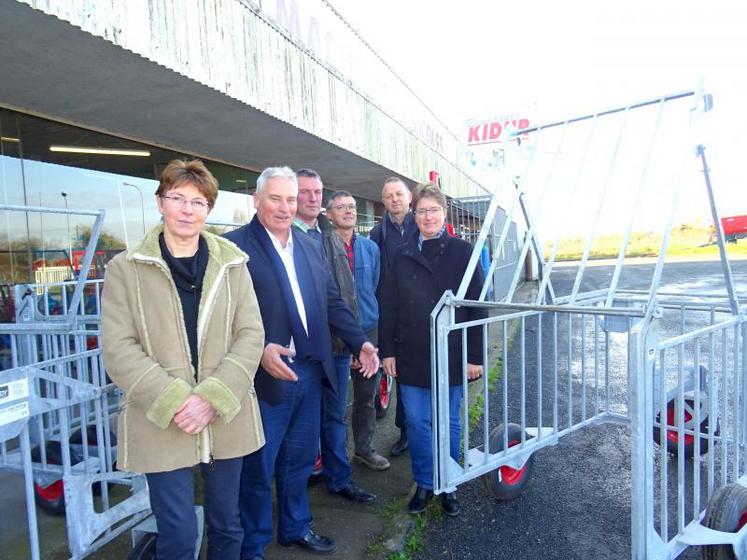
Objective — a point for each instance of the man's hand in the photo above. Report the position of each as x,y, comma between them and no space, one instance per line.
474,371
272,362
390,366
369,360
194,415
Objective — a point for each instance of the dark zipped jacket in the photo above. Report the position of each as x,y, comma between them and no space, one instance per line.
416,282
388,236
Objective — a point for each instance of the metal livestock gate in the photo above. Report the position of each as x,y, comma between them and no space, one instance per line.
669,364
57,407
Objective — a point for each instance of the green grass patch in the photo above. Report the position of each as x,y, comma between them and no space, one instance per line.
476,408
415,540
685,239
390,515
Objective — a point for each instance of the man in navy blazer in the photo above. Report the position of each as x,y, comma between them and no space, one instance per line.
300,304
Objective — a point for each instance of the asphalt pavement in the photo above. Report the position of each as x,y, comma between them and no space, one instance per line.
576,506
578,502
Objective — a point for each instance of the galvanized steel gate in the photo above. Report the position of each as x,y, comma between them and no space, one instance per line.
56,409
670,365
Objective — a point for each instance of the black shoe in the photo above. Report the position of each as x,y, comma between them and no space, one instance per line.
400,446
314,479
419,500
314,543
450,504
355,493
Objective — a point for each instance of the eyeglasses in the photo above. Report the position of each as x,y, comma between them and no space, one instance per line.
198,204
341,207
434,210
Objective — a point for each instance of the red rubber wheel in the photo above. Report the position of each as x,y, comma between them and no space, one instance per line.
51,498
383,396
672,436
506,483
316,471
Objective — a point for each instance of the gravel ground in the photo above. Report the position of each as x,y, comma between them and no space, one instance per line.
578,502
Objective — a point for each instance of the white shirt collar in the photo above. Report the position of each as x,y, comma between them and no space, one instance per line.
276,242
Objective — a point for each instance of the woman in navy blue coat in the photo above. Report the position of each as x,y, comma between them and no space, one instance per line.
422,270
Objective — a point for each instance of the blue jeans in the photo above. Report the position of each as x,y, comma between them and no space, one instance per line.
292,436
417,401
334,428
172,500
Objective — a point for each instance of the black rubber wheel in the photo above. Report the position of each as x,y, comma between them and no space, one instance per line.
383,396
672,435
76,437
145,549
506,483
51,498
727,511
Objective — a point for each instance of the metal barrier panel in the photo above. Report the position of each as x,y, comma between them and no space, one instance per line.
65,406
698,422
58,411
575,353
561,370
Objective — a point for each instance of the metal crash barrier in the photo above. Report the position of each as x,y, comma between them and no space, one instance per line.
670,365
57,410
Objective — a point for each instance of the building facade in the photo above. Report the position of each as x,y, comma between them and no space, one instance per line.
96,96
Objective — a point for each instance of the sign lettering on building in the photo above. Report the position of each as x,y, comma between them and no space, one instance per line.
494,130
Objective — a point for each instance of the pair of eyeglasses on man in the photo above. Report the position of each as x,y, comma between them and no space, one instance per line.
198,204
428,211
341,207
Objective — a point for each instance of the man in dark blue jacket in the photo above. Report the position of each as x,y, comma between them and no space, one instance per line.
300,305
397,226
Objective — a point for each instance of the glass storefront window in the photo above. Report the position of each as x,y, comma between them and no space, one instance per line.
53,165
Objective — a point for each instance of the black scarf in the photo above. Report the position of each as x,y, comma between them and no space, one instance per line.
188,274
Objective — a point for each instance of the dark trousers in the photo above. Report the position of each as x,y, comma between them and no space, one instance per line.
292,439
334,428
363,418
399,418
172,500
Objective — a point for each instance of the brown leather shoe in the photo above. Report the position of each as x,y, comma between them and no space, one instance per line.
373,461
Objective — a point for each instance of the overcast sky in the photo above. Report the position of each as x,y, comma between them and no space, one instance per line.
477,59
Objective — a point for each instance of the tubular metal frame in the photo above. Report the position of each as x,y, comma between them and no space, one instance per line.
672,367
58,388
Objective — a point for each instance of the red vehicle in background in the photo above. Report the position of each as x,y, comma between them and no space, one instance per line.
735,227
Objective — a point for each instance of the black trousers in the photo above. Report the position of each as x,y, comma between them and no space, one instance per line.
172,500
399,418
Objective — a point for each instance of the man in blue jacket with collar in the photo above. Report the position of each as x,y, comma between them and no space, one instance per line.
301,308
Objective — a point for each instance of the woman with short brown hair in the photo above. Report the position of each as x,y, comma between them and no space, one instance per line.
422,270
182,337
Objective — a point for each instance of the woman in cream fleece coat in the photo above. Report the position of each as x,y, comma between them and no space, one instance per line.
182,338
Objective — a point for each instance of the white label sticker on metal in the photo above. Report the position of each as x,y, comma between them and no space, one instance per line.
14,390
14,412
